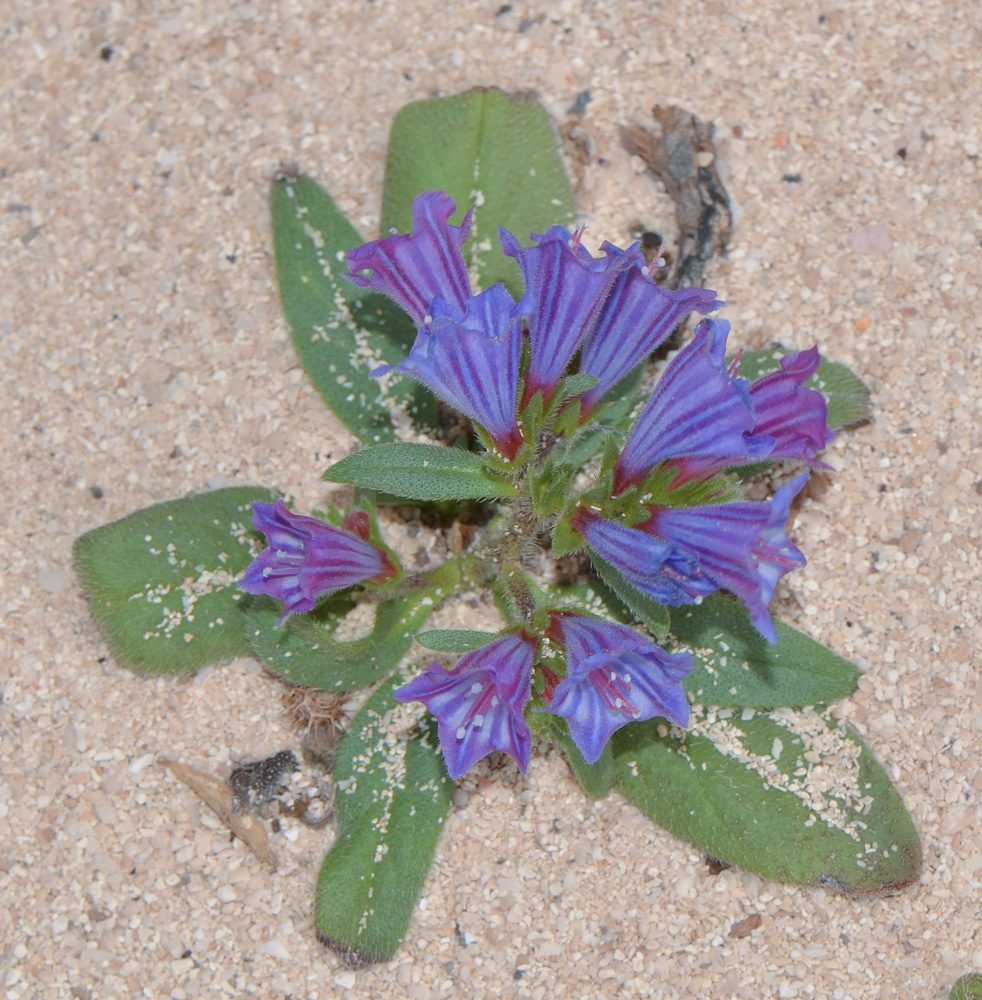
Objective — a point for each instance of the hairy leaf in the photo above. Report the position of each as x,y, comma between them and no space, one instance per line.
734,666
791,795
421,472
341,332
393,793
161,582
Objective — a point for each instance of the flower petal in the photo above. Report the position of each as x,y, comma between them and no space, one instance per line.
307,558
697,411
480,704
741,547
637,316
795,417
413,270
614,677
565,290
657,569
470,360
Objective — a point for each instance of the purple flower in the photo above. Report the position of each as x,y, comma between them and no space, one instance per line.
785,410
636,317
680,555
307,558
609,305
480,704
697,413
655,568
565,290
413,270
613,677
741,546
469,358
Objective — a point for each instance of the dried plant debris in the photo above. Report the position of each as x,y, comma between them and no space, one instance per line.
217,795
679,151
257,782
320,719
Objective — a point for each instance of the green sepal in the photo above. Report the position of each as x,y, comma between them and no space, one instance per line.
791,796
735,666
304,651
162,581
454,640
341,332
565,541
393,794
485,148
429,472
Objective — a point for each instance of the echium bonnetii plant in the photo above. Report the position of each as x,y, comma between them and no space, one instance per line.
613,525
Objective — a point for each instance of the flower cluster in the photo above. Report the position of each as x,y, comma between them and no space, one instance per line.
665,519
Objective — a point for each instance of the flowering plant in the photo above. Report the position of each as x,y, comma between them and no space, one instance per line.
609,521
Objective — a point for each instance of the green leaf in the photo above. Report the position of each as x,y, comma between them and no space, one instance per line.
304,651
341,332
393,793
791,795
847,395
597,778
421,472
161,582
486,148
648,612
734,666
967,988
454,640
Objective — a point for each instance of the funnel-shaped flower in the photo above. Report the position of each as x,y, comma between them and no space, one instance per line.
681,554
614,677
307,558
469,358
480,704
698,411
795,417
565,291
416,269
637,316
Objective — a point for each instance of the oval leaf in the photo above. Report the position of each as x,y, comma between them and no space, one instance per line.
486,148
393,793
734,666
161,582
791,795
454,640
341,332
421,472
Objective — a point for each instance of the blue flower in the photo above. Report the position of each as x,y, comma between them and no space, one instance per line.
698,412
565,291
609,306
307,558
795,417
480,704
613,677
679,555
470,358
414,270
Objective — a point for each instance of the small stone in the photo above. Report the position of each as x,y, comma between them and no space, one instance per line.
871,240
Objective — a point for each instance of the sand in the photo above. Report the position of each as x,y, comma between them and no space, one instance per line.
143,356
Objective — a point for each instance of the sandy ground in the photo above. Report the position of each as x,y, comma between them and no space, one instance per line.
144,356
